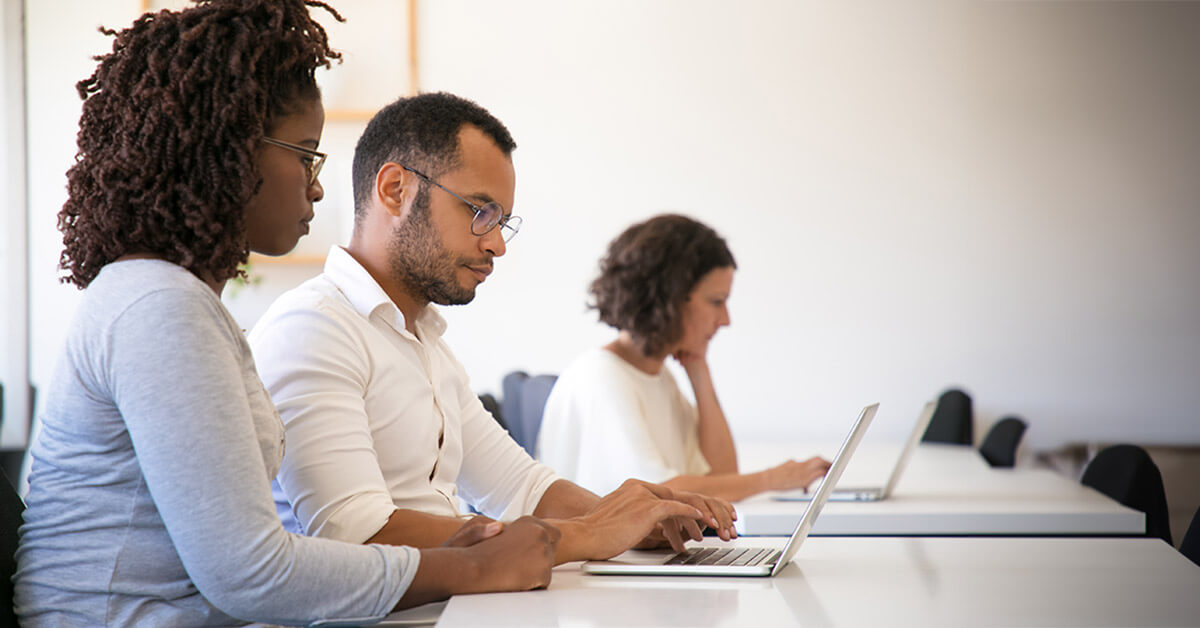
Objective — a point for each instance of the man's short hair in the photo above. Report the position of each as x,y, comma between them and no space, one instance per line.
420,132
648,274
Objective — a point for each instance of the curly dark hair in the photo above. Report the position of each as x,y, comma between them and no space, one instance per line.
420,132
171,120
649,273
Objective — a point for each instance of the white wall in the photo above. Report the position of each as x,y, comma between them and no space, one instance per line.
14,319
59,48
1000,195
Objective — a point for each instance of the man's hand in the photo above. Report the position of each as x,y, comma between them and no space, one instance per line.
638,513
793,474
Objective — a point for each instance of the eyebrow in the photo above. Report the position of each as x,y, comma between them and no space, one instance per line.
482,198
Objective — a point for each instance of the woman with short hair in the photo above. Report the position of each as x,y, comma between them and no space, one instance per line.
616,412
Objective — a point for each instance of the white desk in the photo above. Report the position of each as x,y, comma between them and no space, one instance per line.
950,490
880,581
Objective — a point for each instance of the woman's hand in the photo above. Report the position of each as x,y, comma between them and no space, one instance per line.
793,474
689,357
515,556
485,556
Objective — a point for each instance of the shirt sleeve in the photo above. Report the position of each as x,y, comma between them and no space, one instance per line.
599,419
317,373
497,476
175,366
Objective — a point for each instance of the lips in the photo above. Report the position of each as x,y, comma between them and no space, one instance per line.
481,271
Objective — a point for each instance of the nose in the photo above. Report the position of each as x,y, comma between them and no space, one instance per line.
493,242
316,191
724,320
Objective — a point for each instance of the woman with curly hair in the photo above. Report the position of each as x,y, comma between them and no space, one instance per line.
150,490
616,412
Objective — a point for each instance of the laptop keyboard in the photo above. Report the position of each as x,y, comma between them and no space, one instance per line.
736,556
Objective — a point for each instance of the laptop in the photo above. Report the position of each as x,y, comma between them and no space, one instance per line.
739,561
873,494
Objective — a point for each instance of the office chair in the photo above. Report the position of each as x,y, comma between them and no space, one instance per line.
11,508
493,407
524,399
999,447
1127,474
953,420
1191,540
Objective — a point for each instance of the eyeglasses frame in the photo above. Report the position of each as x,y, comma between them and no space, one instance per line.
510,222
319,158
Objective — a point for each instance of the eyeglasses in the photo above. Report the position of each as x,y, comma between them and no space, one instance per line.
487,216
315,160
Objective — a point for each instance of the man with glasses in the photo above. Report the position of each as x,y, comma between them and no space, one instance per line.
384,434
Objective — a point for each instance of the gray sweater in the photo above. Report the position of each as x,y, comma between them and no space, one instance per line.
150,491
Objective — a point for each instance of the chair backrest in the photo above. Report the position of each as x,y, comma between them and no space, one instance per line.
512,386
953,420
493,407
524,400
999,447
1127,474
1191,540
11,508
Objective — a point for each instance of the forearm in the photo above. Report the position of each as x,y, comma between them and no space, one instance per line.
559,505
416,529
564,500
728,486
716,441
444,571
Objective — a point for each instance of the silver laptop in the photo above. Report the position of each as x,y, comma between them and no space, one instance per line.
739,561
873,494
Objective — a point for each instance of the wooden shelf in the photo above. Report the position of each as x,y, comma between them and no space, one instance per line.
257,259
348,115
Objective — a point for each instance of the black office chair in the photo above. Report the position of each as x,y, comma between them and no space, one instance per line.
524,399
11,508
1127,474
999,447
953,420
1191,540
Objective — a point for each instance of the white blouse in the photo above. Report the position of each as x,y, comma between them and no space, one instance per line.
606,421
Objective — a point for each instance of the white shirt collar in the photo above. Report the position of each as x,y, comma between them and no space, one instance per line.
367,296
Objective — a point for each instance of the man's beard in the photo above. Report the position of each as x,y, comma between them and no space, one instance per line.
420,262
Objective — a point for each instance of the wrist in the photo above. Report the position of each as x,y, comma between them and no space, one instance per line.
443,572
573,545
696,368
768,480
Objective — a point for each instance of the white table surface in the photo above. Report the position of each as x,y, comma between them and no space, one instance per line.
946,490
933,581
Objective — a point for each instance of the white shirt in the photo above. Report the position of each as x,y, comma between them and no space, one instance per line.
378,418
606,421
